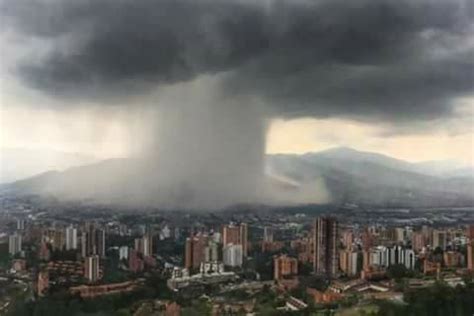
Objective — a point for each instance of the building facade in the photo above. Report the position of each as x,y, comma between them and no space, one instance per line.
14,244
71,238
91,268
284,267
233,255
325,236
236,235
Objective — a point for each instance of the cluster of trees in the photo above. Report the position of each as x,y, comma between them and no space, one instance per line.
63,303
4,256
437,300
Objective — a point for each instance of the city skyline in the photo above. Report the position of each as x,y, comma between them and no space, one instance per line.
205,91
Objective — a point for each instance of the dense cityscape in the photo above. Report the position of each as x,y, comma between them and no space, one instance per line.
76,258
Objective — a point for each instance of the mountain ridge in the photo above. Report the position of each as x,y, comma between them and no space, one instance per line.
348,176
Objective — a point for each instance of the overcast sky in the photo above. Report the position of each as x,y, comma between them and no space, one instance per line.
394,77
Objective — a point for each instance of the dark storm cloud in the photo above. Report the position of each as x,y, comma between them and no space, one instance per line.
403,59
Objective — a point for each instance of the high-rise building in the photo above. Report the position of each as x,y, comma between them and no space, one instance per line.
427,233
188,253
211,252
123,253
84,248
91,268
92,241
244,239
385,256
325,235
267,234
144,245
236,235
71,238
100,246
195,251
284,267
470,232
233,255
367,244
55,237
418,241
348,239
470,247
470,256
20,224
439,239
14,244
399,234
348,262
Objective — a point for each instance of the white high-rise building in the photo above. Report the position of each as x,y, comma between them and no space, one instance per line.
20,224
91,268
165,233
408,258
123,252
217,237
353,263
14,244
379,256
233,255
210,252
385,257
71,238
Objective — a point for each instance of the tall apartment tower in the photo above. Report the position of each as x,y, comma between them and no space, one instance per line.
470,232
267,234
470,256
91,268
325,235
71,238
470,248
144,245
20,224
188,253
236,235
14,244
232,255
367,244
195,253
88,240
100,246
93,241
284,266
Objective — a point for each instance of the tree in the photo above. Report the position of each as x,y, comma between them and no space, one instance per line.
397,271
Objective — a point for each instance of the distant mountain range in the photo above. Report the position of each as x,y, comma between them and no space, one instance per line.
20,163
339,175
353,176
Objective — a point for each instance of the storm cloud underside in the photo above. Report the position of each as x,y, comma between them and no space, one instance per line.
389,61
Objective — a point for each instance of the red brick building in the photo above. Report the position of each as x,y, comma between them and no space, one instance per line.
284,267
